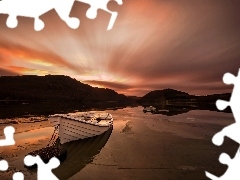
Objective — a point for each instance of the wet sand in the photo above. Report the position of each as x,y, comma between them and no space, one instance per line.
141,146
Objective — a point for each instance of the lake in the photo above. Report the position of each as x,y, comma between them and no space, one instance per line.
139,146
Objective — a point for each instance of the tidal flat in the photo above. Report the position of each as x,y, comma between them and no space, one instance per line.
139,146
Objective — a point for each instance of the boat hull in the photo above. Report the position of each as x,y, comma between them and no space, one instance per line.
80,154
54,120
72,128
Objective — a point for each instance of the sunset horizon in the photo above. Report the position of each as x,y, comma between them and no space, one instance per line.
184,45
107,86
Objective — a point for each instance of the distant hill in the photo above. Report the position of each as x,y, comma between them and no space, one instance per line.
53,88
165,94
171,96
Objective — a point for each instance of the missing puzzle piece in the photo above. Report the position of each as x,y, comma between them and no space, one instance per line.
44,170
8,133
231,131
232,172
18,176
234,101
34,9
3,165
101,4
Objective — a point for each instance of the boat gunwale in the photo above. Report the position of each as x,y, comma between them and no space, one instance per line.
86,122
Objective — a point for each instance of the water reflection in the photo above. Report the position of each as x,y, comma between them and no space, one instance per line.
170,110
160,142
48,108
80,153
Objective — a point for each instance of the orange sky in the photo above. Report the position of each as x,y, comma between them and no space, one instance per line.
154,44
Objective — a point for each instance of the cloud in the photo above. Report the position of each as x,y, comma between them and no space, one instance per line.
16,55
195,45
155,44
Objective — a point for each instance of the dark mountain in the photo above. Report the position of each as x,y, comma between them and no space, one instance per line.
53,88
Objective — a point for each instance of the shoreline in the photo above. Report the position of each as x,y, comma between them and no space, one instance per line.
25,127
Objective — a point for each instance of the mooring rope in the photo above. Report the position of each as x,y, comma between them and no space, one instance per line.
53,139
107,116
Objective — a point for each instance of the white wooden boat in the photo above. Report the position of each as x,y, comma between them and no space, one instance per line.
80,126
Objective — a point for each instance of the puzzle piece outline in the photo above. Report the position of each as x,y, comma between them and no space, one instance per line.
231,131
44,169
101,4
8,141
8,133
232,172
4,167
35,9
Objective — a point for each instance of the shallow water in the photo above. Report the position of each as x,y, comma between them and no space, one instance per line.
139,144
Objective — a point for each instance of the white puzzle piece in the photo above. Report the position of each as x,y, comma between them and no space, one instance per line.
18,176
3,165
36,8
101,4
8,133
232,131
44,171
232,172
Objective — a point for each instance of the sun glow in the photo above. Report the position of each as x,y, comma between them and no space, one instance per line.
154,44
41,62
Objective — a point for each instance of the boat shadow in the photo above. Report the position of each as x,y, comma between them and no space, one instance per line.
80,153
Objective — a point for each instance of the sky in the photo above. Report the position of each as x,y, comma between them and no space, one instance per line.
186,45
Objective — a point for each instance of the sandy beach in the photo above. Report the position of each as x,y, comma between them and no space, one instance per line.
140,146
